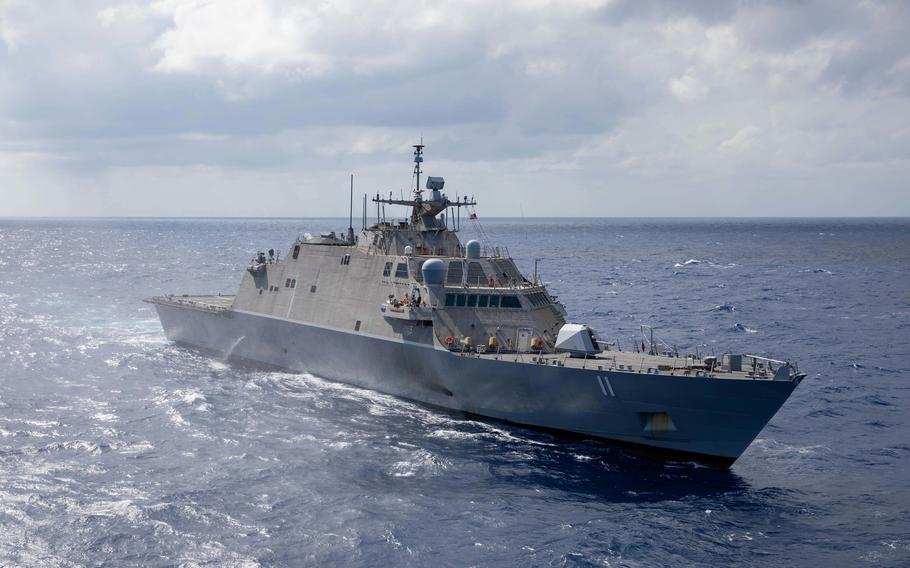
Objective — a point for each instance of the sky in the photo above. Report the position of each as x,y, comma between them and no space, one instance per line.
537,108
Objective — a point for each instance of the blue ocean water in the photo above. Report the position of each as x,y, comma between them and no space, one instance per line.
119,448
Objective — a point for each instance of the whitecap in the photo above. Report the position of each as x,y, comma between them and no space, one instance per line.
122,508
41,423
690,262
190,396
136,448
775,447
74,445
176,418
422,463
446,434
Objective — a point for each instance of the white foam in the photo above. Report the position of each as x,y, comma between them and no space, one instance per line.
121,508
446,434
690,262
422,463
74,445
40,423
582,457
775,447
136,448
190,396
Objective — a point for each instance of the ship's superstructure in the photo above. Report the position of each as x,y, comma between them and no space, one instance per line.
406,308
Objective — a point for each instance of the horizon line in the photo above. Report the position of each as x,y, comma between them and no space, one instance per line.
509,217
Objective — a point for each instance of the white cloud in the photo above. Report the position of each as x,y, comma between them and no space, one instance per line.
743,138
244,33
688,88
9,35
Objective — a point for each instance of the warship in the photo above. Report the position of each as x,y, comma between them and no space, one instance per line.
405,308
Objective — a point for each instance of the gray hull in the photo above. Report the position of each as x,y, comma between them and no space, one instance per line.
713,418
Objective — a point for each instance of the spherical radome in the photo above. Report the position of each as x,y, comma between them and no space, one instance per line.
473,249
434,272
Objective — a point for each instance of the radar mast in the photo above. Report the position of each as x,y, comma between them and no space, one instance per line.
424,212
418,159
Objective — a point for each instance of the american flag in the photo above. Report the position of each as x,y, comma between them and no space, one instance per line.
472,216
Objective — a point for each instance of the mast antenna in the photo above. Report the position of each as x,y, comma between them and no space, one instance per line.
418,159
351,214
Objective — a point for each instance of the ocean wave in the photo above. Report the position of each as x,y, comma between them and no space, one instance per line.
123,508
724,308
420,464
79,446
690,262
741,328
693,262
135,448
778,448
446,434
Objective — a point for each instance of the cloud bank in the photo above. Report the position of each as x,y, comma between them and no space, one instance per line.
263,107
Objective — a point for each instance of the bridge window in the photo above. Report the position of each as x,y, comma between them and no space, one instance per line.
296,251
481,301
538,299
401,271
510,302
387,271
